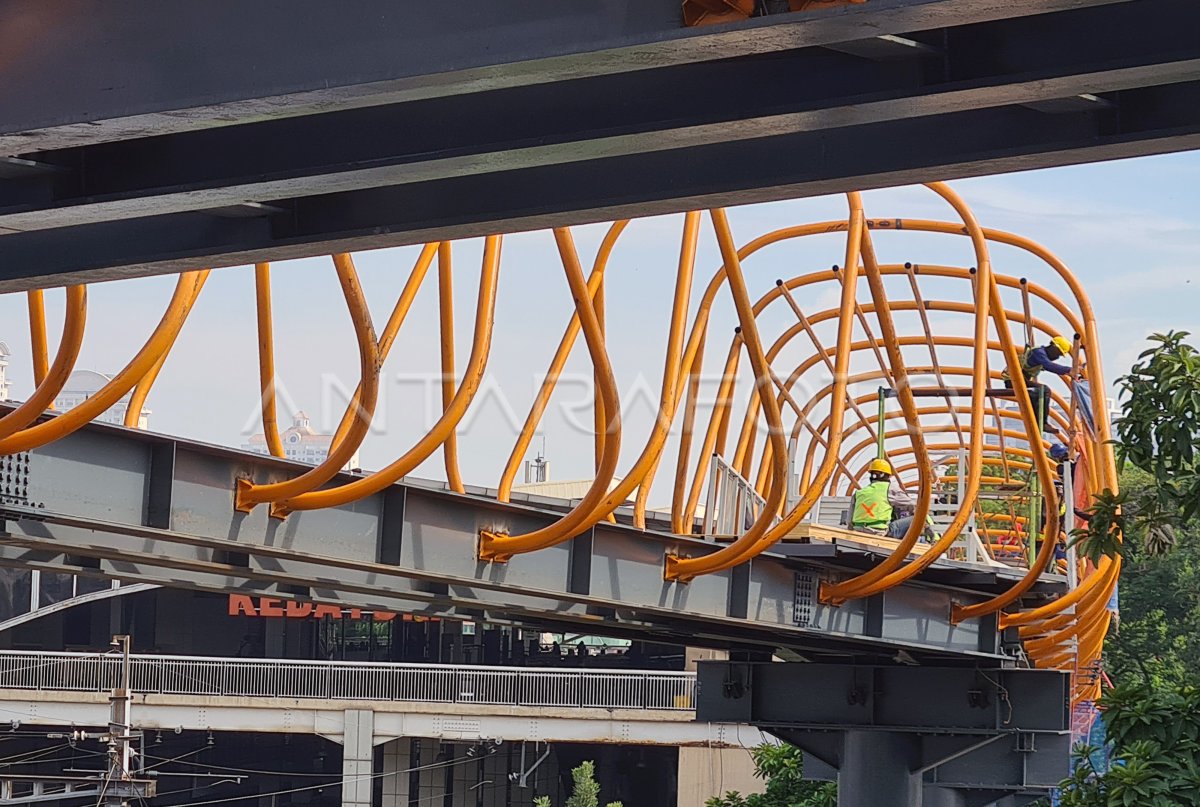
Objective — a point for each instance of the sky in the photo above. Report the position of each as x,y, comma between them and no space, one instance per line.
1130,230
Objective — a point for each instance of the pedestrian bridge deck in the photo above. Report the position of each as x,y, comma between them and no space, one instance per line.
466,703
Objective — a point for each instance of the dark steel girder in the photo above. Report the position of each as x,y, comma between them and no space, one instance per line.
762,116
87,71
145,508
805,163
1032,60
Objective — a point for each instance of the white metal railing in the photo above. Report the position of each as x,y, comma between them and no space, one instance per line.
732,505
352,680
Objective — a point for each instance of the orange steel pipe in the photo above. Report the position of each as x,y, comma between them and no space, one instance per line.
525,437
1092,586
390,331
56,377
599,419
733,554
908,404
682,569
36,303
248,493
1089,330
266,357
446,324
715,433
159,341
141,390
678,524
669,396
979,378
1040,458
472,378
498,548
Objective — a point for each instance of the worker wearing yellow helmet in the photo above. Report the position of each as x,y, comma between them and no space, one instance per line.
875,506
1033,361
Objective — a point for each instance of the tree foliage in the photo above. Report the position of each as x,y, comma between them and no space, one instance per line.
1155,733
782,768
585,792
1159,434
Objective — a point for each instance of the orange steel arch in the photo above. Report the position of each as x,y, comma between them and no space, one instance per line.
828,434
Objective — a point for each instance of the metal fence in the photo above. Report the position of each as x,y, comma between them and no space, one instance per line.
332,680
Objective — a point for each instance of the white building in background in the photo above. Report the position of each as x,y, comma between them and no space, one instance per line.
301,442
83,384
4,382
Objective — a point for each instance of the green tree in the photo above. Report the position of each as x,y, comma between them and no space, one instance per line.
1159,434
782,768
1155,736
585,792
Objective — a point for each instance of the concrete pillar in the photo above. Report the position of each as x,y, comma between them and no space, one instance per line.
934,796
876,769
358,754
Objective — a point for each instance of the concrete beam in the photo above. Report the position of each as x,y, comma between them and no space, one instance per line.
88,71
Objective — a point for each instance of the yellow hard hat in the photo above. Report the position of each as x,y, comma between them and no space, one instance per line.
880,466
1063,344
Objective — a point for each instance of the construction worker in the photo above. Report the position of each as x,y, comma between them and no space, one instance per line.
874,506
1033,361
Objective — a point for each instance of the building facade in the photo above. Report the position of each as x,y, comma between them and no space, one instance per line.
5,384
83,384
301,443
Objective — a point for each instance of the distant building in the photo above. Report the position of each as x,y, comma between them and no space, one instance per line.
4,382
83,384
301,443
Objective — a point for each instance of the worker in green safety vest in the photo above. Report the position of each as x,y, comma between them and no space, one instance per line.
875,505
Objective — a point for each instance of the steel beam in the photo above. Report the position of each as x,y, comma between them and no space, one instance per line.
1031,61
422,556
964,736
88,71
955,144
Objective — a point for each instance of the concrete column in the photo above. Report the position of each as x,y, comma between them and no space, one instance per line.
358,754
876,769
934,796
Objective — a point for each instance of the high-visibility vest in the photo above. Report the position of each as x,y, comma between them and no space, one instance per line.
1028,370
872,510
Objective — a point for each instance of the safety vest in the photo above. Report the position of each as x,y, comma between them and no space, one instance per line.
1028,370
872,510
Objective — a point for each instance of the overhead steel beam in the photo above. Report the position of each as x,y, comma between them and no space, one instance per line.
164,514
89,71
802,163
1032,61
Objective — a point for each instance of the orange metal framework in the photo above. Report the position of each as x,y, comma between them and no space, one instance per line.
812,407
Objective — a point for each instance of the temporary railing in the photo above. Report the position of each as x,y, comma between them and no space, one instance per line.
733,505
350,680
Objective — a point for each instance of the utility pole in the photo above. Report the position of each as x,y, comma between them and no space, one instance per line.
120,728
116,787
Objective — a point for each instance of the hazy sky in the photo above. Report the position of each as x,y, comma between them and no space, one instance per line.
1129,229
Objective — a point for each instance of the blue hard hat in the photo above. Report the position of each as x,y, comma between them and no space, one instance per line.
1058,451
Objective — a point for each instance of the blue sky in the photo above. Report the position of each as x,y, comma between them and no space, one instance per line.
1129,229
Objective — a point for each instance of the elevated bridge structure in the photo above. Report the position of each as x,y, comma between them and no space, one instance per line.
925,365
141,136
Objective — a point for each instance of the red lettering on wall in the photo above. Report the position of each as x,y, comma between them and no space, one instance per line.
269,606
323,611
298,610
241,605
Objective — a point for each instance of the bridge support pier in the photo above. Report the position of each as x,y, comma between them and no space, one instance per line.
358,756
905,736
876,768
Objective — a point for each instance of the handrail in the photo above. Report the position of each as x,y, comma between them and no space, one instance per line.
206,676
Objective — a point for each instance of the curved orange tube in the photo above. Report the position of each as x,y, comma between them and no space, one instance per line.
161,338
56,377
472,378
446,324
498,548
250,494
266,357
36,303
